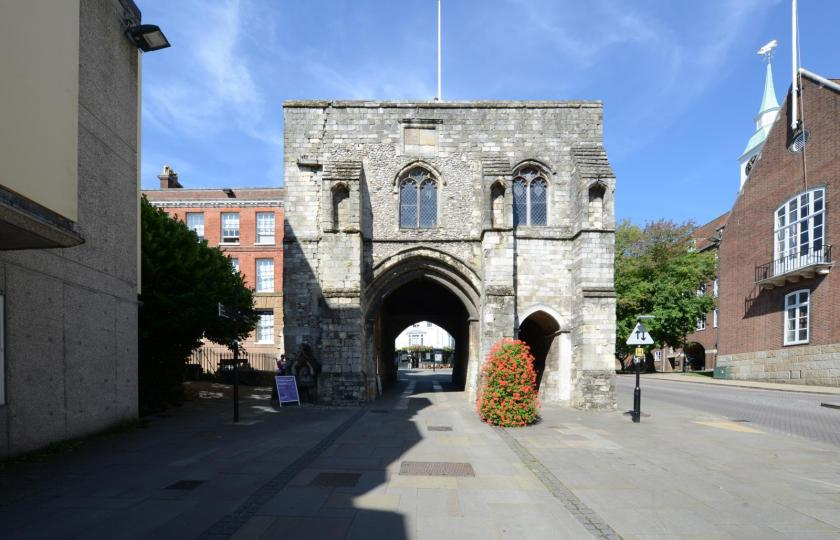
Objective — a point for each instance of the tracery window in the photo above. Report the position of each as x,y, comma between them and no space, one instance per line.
530,198
418,200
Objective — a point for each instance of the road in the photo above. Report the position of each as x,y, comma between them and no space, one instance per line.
785,412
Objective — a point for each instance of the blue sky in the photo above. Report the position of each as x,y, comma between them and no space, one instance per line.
679,79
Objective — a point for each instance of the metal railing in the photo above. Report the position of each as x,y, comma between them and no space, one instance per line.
792,262
210,360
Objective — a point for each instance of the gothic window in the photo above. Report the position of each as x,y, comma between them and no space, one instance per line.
418,200
530,198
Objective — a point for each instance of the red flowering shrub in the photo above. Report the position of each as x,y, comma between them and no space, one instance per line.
507,396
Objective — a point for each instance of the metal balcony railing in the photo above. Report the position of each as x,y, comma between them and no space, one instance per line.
792,264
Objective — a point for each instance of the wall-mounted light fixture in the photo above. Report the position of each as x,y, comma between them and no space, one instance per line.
146,37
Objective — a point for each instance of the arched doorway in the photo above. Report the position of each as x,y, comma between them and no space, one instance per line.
695,356
422,285
540,331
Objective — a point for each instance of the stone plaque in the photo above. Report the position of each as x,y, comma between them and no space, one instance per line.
419,139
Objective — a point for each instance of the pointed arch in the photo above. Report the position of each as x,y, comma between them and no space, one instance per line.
340,205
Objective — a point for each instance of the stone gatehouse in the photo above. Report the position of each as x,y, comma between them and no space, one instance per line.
489,219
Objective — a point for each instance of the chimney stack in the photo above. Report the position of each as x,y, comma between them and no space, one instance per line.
169,178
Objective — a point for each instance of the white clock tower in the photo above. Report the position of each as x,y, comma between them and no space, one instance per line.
764,119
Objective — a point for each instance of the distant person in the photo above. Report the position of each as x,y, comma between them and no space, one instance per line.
282,365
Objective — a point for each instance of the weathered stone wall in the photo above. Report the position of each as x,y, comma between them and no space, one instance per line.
469,148
815,364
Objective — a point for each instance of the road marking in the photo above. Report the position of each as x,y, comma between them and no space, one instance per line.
731,426
437,387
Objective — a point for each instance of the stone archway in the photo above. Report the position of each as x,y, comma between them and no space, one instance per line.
540,329
421,285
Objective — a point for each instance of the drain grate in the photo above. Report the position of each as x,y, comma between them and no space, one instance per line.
186,485
435,468
439,428
333,479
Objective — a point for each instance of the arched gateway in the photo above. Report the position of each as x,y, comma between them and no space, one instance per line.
475,216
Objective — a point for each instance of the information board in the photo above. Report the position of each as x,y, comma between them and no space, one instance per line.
287,390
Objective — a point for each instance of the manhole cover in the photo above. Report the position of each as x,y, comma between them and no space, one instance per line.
439,428
332,479
435,468
186,484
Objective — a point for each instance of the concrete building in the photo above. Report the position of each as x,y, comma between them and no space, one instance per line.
779,294
489,219
69,144
247,225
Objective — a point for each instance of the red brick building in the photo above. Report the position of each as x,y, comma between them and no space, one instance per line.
701,352
247,225
779,294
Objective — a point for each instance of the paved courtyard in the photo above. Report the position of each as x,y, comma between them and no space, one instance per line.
316,472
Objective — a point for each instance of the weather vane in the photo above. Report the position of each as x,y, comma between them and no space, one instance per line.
768,50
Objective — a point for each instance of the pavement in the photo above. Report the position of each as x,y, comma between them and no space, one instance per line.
701,379
419,464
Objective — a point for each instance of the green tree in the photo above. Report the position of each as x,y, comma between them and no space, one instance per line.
657,272
183,281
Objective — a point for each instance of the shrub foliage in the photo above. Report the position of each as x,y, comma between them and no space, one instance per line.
508,396
183,280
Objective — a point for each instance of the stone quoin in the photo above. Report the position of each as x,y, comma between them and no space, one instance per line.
489,219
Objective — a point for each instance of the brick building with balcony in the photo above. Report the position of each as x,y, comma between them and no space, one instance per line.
247,225
779,294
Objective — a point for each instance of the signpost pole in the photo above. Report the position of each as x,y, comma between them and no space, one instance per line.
235,347
637,393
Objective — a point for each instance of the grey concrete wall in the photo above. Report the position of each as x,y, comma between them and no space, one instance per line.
71,314
476,145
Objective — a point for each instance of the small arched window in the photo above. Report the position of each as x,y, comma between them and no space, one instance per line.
530,198
596,204
497,204
340,207
418,200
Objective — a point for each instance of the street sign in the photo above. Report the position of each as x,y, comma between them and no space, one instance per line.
639,336
640,352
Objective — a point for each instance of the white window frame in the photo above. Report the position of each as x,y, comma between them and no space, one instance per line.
265,230
263,326
197,228
795,304
716,287
264,283
229,238
701,324
715,316
657,355
234,264
799,231
2,349
701,290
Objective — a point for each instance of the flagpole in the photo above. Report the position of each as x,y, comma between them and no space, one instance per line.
794,89
439,93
